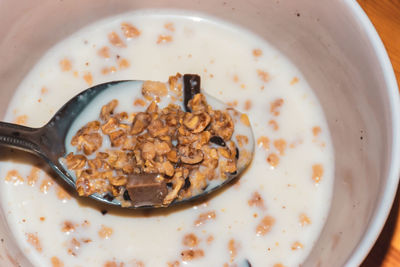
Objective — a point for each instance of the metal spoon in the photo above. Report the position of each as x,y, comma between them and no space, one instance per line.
49,141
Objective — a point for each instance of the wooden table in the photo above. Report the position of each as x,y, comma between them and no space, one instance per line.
385,15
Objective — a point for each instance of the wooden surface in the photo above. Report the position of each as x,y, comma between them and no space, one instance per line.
385,15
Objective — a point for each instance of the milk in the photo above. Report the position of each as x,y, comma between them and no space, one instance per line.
295,194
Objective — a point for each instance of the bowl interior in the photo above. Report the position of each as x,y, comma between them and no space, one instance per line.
323,38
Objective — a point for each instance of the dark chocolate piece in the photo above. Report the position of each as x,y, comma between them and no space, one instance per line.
104,212
126,196
247,262
217,140
237,153
109,197
191,87
187,184
146,190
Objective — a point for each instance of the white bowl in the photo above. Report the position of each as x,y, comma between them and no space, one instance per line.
335,46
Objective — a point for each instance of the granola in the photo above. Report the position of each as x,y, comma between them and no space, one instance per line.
157,155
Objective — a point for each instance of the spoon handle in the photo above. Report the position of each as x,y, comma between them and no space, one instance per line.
20,137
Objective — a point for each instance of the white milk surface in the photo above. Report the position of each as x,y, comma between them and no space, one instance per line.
54,229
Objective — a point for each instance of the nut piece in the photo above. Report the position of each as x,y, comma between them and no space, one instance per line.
118,181
107,110
140,122
198,103
196,123
173,156
89,143
167,168
157,128
222,124
90,127
148,151
129,30
174,193
154,90
75,162
161,148
109,126
115,40
190,155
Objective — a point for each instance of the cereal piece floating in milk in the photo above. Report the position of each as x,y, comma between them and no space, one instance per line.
297,245
164,39
104,52
273,159
316,130
192,254
263,75
263,142
33,176
105,232
233,248
275,106
317,173
169,26
304,219
129,30
280,145
21,120
56,262
190,240
47,183
173,264
65,64
14,177
33,240
294,81
274,125
115,40
256,200
204,217
257,52
265,226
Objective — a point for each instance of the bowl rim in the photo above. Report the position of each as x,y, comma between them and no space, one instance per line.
386,200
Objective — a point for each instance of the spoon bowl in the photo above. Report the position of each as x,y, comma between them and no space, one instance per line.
50,142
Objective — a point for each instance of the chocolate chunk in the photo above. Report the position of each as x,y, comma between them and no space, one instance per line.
146,190
108,197
126,196
217,140
187,184
191,85
237,153
104,212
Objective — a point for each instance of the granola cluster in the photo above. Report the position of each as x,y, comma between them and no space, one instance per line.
183,150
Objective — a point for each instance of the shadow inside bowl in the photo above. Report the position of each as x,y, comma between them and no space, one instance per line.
382,247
